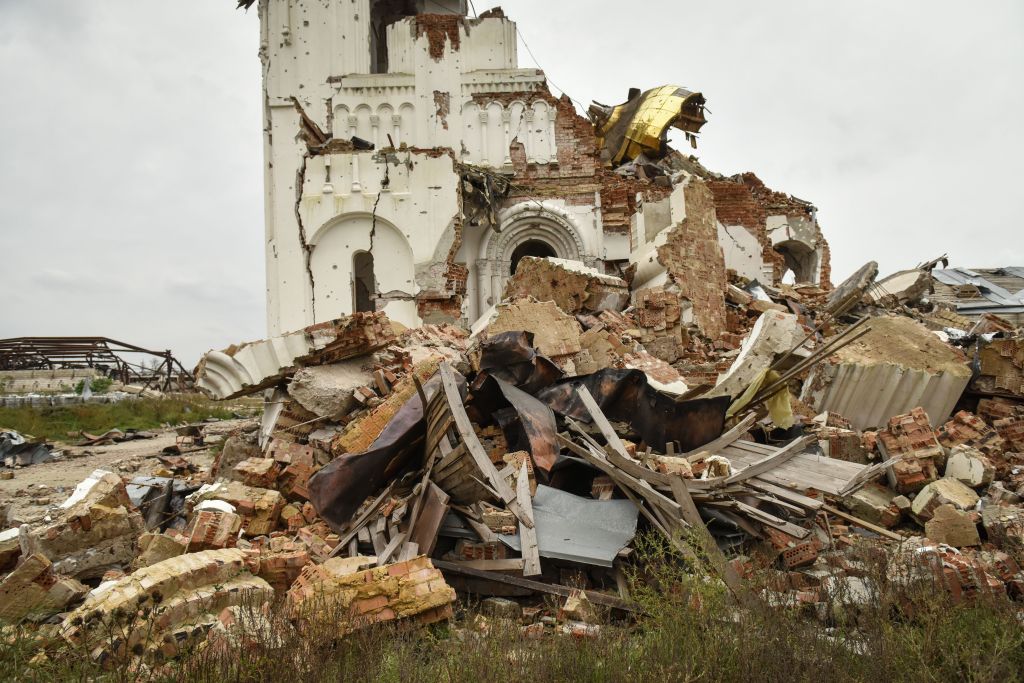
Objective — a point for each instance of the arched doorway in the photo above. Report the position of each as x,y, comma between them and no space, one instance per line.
533,247
527,229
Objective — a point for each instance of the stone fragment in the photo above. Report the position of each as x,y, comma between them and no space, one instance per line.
158,547
403,590
236,449
554,332
874,503
253,366
328,390
10,549
258,472
97,530
1005,529
952,527
577,607
574,287
970,467
34,590
501,608
942,492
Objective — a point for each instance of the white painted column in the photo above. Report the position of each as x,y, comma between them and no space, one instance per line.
552,146
353,126
506,122
528,115
396,126
485,159
357,187
375,129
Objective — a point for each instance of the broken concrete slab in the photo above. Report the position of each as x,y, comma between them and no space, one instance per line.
952,527
328,390
555,333
898,365
942,492
253,366
970,467
574,287
773,334
874,503
906,286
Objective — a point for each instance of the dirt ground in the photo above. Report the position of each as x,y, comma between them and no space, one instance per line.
36,489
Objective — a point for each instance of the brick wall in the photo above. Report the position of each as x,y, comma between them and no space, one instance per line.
695,262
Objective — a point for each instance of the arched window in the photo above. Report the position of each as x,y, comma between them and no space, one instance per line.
365,283
536,248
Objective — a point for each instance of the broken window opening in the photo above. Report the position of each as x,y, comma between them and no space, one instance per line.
365,283
800,259
383,13
531,248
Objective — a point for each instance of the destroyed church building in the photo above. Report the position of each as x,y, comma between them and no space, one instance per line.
411,163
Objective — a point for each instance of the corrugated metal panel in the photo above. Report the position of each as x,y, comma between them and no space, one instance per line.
868,395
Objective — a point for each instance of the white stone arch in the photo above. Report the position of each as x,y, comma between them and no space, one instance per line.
524,222
331,263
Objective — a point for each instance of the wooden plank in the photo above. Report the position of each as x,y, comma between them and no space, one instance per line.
724,440
361,521
725,571
770,519
527,532
786,494
600,421
771,462
513,564
549,588
469,438
424,529
389,549
881,531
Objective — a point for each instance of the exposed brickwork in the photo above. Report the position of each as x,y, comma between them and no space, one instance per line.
439,28
413,588
695,262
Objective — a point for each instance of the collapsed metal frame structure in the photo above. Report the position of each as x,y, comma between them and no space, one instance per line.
102,353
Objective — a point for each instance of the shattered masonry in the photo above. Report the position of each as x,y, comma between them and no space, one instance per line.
438,163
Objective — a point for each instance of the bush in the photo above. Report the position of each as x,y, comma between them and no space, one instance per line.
98,385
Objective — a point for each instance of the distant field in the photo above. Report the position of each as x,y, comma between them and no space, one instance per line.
54,424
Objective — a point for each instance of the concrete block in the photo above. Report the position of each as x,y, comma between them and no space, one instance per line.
34,590
942,492
970,467
327,390
952,527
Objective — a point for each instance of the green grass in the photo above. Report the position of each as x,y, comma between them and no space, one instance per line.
54,424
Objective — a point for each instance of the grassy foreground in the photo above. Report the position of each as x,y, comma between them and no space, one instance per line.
690,632
54,424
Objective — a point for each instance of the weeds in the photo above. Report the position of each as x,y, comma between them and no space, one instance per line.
904,631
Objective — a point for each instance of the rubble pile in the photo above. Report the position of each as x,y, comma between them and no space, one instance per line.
395,469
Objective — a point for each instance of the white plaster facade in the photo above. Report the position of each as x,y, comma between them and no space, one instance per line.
401,202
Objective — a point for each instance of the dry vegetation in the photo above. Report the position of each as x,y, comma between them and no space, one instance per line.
691,631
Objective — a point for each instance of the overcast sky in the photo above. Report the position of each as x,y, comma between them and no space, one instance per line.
130,147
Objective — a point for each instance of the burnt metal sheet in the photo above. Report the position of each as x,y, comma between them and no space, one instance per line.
579,529
338,489
626,396
511,357
528,424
